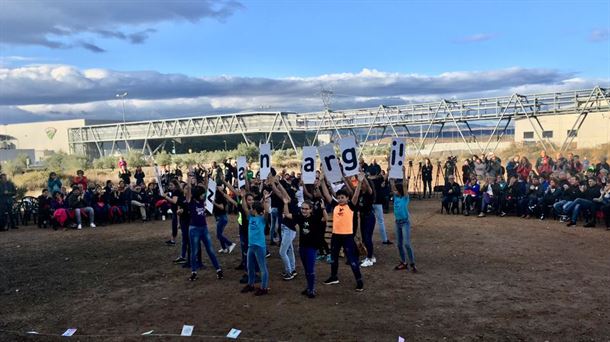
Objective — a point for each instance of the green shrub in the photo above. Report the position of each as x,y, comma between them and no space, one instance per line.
135,159
108,162
163,158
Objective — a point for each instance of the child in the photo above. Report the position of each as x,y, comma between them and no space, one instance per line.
44,209
198,229
312,225
344,220
256,245
403,225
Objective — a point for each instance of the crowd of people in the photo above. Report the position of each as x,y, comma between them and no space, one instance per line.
326,217
564,187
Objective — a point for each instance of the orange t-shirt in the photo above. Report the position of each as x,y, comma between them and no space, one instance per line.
343,220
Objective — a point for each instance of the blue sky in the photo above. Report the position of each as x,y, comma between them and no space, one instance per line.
565,43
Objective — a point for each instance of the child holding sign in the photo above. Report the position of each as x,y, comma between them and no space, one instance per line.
256,245
344,220
403,224
198,229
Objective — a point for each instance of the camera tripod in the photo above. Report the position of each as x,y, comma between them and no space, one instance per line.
439,174
416,180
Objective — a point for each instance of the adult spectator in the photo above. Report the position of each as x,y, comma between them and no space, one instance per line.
44,209
7,199
544,164
374,169
466,171
378,182
76,202
511,167
364,167
472,190
139,199
584,203
125,175
551,196
54,183
80,179
602,165
561,163
426,174
490,195
524,168
479,168
139,176
451,195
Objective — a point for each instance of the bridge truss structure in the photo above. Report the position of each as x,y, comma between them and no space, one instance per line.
498,112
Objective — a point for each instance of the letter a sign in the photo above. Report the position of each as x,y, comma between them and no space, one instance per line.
308,169
241,171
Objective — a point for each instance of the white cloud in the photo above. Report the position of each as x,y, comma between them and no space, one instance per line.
599,35
61,91
475,38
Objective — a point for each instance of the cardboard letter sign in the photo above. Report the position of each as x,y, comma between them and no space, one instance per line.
241,172
308,169
349,157
397,158
330,165
211,196
265,160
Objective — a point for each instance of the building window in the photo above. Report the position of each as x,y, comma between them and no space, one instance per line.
528,135
547,134
572,133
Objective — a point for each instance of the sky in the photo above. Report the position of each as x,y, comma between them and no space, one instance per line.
68,59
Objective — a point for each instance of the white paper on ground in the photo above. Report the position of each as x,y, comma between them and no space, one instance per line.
187,330
69,332
33,332
401,339
233,333
148,332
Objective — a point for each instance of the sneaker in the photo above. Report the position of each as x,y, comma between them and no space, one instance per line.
359,286
80,226
179,260
169,211
219,274
261,292
374,260
287,276
331,281
240,267
563,219
231,248
268,254
193,276
366,263
294,273
541,217
589,224
170,242
92,225
311,294
570,224
388,242
222,250
401,266
162,217
247,288
413,268
502,214
305,292
482,214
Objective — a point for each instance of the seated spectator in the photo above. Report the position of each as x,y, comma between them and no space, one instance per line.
139,176
100,204
551,196
584,202
570,192
544,164
140,201
60,210
76,202
451,195
472,190
490,193
604,202
510,195
535,192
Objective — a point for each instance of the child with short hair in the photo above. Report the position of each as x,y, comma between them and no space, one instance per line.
256,245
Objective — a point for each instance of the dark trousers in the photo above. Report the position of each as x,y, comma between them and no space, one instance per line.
428,184
367,226
7,216
345,241
308,258
606,210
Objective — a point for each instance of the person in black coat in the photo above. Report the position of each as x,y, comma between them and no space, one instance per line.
426,173
451,195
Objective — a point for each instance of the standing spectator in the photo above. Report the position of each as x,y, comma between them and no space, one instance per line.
364,167
426,173
44,209
122,163
139,176
466,171
125,176
7,199
524,168
511,167
374,169
80,179
379,182
479,169
561,163
54,183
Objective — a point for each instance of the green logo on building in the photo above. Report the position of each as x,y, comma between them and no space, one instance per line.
50,132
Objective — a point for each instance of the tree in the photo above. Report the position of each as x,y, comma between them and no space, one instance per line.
163,158
249,151
135,159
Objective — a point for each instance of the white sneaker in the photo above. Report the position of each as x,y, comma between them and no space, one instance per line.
220,251
373,260
92,225
366,263
169,211
231,248
162,217
80,226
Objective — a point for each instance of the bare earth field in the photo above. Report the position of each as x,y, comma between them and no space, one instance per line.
506,279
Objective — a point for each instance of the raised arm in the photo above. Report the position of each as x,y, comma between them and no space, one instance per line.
405,182
358,188
226,196
324,188
287,213
266,195
244,205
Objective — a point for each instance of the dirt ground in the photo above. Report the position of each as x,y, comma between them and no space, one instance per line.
506,279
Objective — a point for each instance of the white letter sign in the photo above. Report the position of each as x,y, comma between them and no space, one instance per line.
265,160
308,169
349,158
397,158
210,196
330,165
241,172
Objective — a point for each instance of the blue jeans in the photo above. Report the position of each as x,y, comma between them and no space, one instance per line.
197,234
256,255
221,223
308,257
88,211
403,241
558,206
581,204
380,221
367,226
275,223
287,250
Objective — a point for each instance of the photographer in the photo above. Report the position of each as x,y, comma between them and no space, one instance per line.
426,172
449,168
